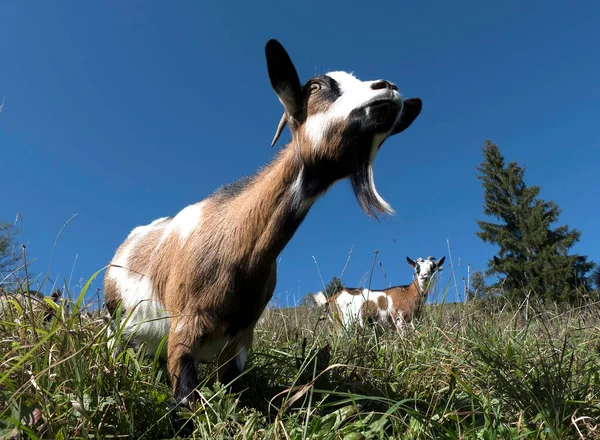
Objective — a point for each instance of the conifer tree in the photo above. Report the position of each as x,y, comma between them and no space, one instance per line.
333,287
533,255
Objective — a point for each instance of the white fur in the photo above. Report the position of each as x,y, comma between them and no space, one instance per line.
185,223
142,230
302,203
180,326
242,356
377,141
354,94
316,128
320,298
426,271
350,305
146,319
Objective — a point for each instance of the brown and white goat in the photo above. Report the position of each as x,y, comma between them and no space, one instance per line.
394,306
204,276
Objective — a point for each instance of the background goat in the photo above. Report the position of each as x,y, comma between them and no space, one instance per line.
394,306
204,276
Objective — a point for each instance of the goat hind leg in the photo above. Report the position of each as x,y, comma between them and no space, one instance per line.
232,359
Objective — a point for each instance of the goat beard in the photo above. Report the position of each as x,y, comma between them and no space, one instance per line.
363,184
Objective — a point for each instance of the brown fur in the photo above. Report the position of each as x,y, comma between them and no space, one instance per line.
369,311
111,294
407,301
382,303
331,148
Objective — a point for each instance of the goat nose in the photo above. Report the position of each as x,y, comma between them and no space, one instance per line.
383,84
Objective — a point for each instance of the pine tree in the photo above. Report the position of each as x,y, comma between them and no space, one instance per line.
333,287
532,255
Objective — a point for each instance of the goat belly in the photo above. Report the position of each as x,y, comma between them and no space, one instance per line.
248,301
148,323
242,318
210,347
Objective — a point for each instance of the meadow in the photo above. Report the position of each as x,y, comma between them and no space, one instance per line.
467,371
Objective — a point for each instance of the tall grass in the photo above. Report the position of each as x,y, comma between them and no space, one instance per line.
465,372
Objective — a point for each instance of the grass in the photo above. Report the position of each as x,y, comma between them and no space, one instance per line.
466,372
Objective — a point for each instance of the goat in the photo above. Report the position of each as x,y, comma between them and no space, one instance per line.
203,277
394,306
33,301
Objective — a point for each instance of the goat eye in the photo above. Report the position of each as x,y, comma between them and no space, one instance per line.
315,87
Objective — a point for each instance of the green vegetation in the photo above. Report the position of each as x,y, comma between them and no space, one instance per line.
519,360
531,253
466,372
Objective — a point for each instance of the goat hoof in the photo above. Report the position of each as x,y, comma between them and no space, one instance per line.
182,428
182,425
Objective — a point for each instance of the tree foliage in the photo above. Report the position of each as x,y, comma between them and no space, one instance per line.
533,255
478,288
333,287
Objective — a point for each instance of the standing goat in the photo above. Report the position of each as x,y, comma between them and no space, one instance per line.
204,276
394,306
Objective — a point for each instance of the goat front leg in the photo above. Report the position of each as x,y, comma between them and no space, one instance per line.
399,324
182,369
233,357
182,366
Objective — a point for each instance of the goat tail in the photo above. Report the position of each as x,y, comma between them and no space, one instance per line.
320,298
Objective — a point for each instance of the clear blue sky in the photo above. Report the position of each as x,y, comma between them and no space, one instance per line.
125,111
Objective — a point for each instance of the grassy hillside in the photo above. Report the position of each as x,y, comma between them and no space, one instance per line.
465,372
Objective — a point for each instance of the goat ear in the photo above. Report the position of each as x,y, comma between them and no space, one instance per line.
410,111
439,263
411,262
284,78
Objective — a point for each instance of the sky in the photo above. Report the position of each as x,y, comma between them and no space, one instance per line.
121,112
